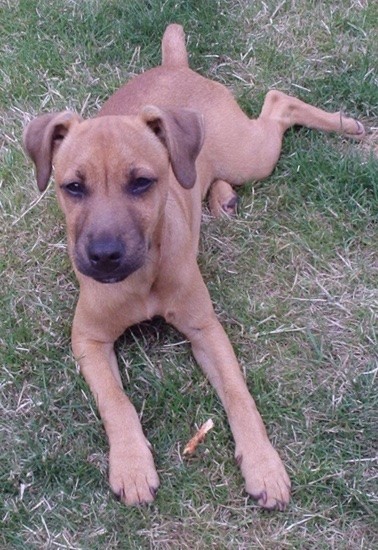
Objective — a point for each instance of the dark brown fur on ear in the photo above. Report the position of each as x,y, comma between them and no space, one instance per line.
182,133
42,136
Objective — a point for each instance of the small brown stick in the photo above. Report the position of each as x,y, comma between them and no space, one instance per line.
193,443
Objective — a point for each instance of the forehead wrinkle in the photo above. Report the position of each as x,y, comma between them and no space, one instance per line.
97,167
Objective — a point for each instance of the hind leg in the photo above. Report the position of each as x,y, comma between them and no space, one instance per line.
279,113
222,199
290,111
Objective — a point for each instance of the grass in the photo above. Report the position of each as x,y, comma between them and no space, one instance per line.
293,279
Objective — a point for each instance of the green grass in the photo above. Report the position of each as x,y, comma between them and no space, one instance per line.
293,279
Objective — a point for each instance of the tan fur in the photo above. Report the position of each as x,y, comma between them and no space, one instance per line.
134,252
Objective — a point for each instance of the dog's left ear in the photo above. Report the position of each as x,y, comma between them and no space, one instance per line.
182,133
42,138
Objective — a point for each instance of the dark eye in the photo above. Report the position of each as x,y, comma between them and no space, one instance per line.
75,189
138,186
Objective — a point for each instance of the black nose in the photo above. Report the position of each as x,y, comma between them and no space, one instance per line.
105,253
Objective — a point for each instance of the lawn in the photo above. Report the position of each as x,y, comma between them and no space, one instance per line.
293,278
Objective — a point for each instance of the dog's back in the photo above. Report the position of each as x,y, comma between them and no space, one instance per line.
172,84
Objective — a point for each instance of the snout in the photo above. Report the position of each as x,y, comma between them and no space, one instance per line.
106,254
108,258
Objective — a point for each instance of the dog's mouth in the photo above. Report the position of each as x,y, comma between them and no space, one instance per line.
106,276
108,258
109,280
111,270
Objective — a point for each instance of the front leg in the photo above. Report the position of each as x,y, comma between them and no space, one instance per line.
132,474
265,477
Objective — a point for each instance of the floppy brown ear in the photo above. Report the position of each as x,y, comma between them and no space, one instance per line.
41,139
182,133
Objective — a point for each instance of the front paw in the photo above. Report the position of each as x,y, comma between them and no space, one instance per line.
265,477
132,474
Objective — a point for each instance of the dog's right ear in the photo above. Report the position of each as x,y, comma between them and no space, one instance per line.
41,139
182,133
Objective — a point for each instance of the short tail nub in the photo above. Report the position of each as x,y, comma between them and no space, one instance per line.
173,47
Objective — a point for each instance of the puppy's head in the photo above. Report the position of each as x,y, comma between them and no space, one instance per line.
112,175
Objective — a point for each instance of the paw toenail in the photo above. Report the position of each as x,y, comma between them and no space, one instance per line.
120,495
360,127
261,496
239,459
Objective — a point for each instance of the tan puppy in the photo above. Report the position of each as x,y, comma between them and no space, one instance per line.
130,183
